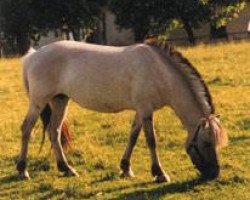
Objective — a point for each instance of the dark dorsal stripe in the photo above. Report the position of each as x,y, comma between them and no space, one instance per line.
184,63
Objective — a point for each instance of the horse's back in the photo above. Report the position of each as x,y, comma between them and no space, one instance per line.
98,77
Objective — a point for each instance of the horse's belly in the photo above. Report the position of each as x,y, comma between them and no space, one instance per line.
101,100
102,105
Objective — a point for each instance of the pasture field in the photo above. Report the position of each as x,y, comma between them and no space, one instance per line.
100,139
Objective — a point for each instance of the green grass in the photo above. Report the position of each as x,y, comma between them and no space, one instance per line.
100,139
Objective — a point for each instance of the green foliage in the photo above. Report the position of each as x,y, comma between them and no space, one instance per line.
16,19
134,14
21,18
225,11
56,13
164,35
157,16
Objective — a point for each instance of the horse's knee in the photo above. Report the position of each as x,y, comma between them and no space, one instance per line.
25,132
29,122
23,126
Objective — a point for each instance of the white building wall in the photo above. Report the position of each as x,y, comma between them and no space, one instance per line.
114,36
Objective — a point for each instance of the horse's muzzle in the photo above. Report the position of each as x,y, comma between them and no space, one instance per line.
209,172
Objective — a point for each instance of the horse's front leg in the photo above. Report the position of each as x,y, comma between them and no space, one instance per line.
125,161
157,171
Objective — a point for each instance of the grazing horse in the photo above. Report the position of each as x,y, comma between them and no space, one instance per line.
143,77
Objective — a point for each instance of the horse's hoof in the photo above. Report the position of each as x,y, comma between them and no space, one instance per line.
127,174
24,175
162,179
71,172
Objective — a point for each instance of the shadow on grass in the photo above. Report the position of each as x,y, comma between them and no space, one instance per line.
175,188
141,190
50,194
71,192
161,190
244,124
9,179
240,138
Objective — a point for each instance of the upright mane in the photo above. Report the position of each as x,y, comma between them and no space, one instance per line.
192,76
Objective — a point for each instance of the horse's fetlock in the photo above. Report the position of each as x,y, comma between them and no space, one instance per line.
21,165
156,170
125,165
62,166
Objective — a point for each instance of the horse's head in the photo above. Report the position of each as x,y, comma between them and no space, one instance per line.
203,146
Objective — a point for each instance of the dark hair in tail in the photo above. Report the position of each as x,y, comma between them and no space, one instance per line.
65,133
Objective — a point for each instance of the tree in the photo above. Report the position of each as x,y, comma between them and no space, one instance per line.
74,14
23,17
190,14
143,16
15,23
222,12
133,14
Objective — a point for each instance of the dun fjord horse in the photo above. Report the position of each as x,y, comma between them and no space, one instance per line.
143,77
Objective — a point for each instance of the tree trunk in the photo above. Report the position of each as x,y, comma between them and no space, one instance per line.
104,27
140,33
76,33
218,33
138,37
23,43
189,30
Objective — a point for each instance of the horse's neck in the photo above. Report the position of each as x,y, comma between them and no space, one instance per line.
183,93
189,116
184,104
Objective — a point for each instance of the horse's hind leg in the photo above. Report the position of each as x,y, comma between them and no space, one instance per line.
157,172
59,106
125,161
26,129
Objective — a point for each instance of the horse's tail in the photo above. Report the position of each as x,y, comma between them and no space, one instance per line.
65,133
26,62
46,112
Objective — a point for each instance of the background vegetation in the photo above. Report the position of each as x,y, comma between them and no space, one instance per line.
100,139
23,20
160,16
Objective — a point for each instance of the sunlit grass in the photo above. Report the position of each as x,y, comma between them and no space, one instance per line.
100,139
